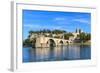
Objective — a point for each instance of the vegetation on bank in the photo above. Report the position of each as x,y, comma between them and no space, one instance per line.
27,43
56,31
85,43
84,37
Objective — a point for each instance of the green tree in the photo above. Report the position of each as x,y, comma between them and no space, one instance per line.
83,37
88,37
27,42
58,31
31,31
67,35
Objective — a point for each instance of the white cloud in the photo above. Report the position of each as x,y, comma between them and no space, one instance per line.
40,27
59,18
28,25
32,26
82,21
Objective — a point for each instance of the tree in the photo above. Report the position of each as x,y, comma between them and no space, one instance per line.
27,43
83,37
88,37
58,31
67,35
30,32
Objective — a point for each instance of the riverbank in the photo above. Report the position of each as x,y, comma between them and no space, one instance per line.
86,43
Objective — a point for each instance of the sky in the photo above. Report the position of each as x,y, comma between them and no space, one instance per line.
69,21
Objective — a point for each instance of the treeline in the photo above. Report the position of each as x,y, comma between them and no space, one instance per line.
56,31
29,43
84,37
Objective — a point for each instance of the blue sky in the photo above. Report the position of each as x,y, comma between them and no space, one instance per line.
68,21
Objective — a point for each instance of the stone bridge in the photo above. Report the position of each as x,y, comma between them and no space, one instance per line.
42,41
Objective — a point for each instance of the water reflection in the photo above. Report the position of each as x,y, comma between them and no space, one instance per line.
69,52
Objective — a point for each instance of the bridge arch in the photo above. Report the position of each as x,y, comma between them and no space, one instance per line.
61,42
67,42
51,43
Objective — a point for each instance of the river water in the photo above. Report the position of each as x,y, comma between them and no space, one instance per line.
69,52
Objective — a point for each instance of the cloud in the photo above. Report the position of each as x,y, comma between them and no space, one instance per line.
28,25
86,21
32,26
61,20
40,27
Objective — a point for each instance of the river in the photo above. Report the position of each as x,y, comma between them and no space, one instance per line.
69,52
